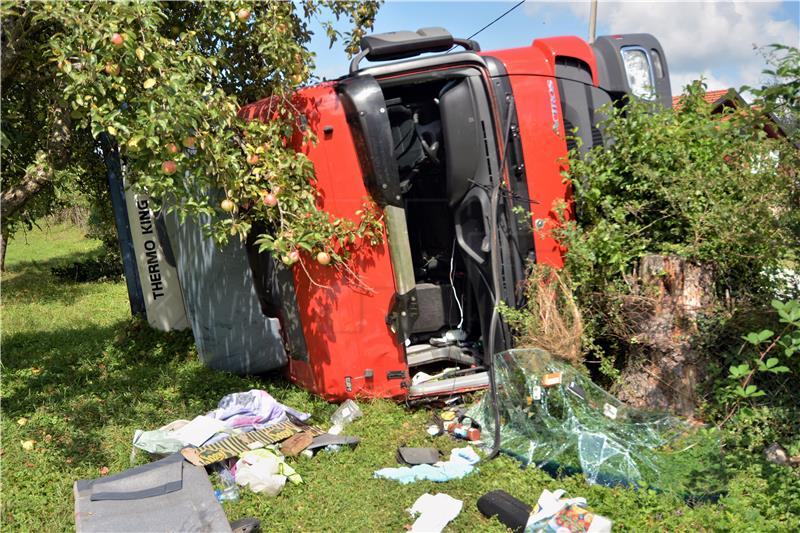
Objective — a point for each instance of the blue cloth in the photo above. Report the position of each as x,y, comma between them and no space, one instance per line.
460,464
439,472
466,454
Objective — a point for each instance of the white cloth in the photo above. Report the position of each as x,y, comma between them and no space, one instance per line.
435,512
199,430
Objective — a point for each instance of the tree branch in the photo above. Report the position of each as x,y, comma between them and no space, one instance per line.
37,176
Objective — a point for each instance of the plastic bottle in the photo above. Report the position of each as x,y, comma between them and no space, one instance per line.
346,413
229,491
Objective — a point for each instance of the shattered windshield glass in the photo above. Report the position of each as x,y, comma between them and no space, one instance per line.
554,416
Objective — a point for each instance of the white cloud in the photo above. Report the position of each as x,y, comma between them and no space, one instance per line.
711,38
713,83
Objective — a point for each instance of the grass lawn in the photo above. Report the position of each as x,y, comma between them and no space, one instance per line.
84,376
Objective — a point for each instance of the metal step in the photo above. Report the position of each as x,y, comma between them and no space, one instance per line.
423,354
455,385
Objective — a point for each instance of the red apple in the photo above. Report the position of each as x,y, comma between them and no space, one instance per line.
169,167
243,14
323,258
188,142
270,200
252,159
117,39
172,148
227,205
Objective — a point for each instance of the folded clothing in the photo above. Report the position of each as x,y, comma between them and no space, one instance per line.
252,410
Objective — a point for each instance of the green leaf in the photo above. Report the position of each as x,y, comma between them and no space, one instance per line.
752,338
779,369
133,142
764,335
738,371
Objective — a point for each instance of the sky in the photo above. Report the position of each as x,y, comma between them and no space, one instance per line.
713,39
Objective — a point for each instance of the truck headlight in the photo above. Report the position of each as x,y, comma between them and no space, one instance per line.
639,72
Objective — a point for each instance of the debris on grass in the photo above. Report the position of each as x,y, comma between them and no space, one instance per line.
575,426
553,513
460,464
434,512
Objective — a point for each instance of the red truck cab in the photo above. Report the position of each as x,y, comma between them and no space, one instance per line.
464,152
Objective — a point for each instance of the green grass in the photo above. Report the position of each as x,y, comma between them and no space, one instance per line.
85,376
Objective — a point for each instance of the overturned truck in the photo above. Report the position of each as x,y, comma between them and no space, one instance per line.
464,153
463,150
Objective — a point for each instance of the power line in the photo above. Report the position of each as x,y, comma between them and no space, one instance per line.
498,18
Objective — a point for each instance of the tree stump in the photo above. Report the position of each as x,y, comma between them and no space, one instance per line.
663,367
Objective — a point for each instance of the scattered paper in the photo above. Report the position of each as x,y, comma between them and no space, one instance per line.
199,430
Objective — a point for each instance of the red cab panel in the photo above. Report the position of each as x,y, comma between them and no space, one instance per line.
351,350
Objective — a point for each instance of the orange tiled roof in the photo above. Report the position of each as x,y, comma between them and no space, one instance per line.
712,97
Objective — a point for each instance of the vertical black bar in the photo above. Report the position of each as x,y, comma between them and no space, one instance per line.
117,190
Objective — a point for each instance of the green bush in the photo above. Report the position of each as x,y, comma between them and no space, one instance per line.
707,185
710,187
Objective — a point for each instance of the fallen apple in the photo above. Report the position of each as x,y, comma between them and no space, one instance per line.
169,167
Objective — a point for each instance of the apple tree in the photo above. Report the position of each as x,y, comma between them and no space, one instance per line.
165,80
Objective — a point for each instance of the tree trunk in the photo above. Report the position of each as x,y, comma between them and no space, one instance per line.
664,368
4,236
